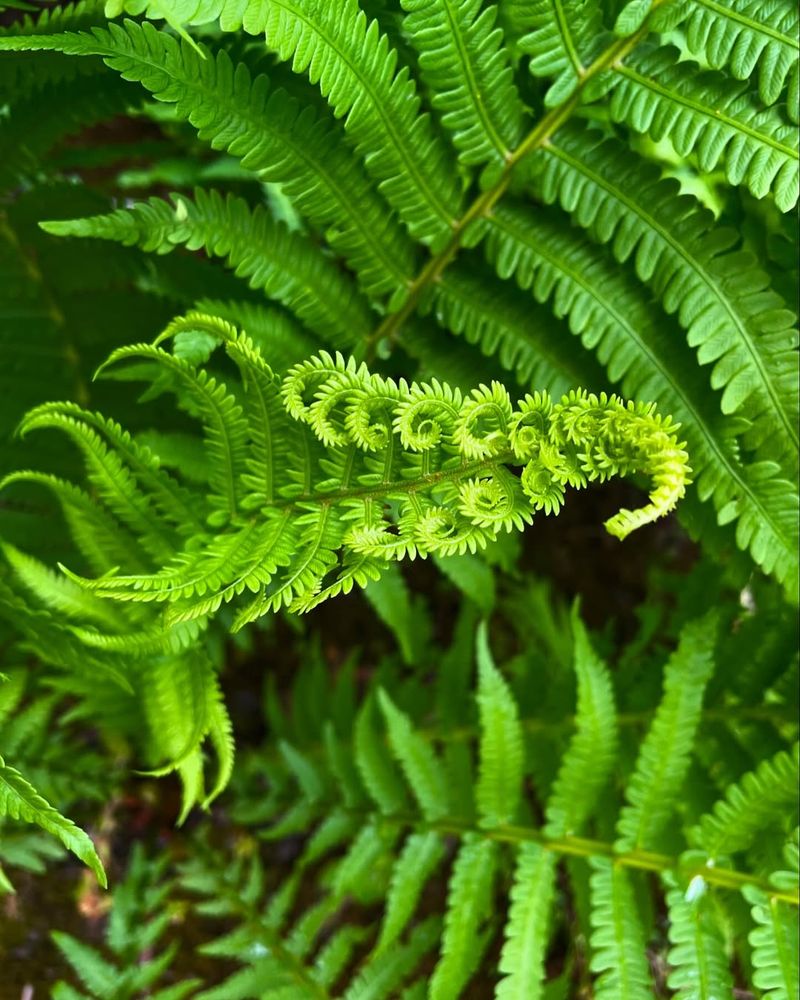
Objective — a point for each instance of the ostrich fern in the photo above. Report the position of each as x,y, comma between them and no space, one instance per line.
359,212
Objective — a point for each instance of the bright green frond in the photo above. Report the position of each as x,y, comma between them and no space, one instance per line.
700,965
346,55
20,800
748,37
774,943
702,113
562,43
618,941
763,796
421,855
527,929
665,754
466,68
587,763
469,904
423,770
502,753
263,251
720,295
611,314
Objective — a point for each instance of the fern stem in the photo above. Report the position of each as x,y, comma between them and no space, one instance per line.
482,206
583,847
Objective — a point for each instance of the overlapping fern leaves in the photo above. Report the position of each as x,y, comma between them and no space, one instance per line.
384,179
401,819
315,482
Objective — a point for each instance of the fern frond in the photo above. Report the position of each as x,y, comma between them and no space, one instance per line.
346,55
420,765
587,763
469,904
421,855
664,756
611,315
224,426
115,483
526,933
20,800
746,37
618,941
562,43
774,943
701,112
720,295
761,797
501,754
57,591
285,265
464,64
270,132
700,966
501,321
382,470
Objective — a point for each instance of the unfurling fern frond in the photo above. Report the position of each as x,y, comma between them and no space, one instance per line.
374,470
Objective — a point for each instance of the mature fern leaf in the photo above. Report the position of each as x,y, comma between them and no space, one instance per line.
421,855
269,131
501,752
664,756
466,68
700,966
761,797
420,765
610,314
264,251
774,943
587,763
721,297
526,932
562,42
502,322
469,904
355,68
745,36
20,800
618,941
702,112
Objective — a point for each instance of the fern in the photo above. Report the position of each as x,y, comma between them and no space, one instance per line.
20,800
746,36
522,197
464,65
561,43
699,112
441,459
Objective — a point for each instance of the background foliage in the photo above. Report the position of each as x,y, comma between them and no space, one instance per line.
528,759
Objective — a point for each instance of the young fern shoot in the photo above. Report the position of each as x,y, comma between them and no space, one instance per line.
316,481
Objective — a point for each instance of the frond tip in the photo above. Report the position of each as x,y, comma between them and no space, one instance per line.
322,477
